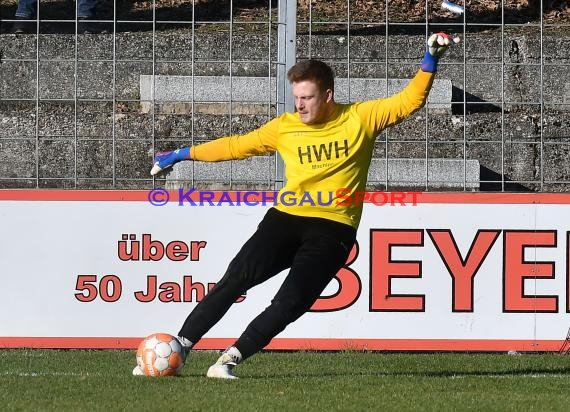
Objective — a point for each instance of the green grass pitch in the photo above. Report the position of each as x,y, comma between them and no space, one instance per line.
101,380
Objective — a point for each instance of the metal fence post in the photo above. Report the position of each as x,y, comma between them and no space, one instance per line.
286,57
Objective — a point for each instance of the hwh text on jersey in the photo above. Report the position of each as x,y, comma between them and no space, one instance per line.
315,153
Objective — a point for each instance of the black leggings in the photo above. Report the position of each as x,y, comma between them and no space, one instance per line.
314,249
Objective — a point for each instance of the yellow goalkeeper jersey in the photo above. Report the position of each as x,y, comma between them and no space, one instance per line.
325,164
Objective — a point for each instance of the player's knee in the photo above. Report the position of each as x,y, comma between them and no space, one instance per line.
236,273
290,310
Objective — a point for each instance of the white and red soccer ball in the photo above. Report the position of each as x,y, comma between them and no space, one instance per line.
160,354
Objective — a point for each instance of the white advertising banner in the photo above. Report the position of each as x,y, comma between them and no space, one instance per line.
463,271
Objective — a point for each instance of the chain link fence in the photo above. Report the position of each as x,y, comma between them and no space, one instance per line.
85,103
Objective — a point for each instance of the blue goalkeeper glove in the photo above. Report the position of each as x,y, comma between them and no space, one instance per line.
437,44
164,160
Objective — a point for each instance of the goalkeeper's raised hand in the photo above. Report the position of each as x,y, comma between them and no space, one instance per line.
164,160
437,44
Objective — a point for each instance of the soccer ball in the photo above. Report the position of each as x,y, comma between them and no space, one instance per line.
160,354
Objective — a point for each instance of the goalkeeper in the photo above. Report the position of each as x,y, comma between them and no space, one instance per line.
312,241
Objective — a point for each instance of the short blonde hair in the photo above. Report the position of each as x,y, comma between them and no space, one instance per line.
314,70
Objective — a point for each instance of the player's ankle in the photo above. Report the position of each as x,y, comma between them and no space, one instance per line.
186,343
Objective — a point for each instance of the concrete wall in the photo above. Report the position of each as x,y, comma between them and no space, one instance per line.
75,136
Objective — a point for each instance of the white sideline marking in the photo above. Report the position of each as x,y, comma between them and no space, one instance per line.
38,374
472,375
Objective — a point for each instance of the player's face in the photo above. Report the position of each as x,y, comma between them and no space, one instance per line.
313,105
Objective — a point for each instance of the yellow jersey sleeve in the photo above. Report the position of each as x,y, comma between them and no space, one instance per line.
381,113
257,142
